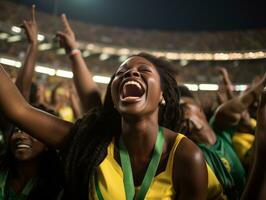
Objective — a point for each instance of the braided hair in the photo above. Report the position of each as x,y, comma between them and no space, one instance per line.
94,132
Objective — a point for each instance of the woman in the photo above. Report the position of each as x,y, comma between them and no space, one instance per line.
28,169
139,90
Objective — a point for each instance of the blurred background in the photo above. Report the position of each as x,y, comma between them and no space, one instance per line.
197,36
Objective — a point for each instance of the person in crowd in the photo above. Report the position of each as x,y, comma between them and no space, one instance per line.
130,135
243,137
215,139
28,168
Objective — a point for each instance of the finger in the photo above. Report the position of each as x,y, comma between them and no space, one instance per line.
33,13
60,34
65,22
25,25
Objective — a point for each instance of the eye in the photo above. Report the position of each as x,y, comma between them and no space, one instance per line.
120,72
144,68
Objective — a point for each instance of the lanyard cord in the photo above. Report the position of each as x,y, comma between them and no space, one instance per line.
127,170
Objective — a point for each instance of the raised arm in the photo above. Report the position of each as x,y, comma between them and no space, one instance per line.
74,102
226,82
230,113
256,184
43,126
25,74
87,89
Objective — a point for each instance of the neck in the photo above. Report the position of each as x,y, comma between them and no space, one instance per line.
140,135
26,170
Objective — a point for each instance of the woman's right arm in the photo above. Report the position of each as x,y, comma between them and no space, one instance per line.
41,125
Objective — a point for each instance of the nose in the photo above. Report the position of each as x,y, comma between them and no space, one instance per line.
131,73
20,134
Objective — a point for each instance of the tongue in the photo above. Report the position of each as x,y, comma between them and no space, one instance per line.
132,91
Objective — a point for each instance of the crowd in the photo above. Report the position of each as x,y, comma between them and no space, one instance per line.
149,138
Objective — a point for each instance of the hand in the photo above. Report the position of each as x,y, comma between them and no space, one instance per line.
222,71
67,38
31,27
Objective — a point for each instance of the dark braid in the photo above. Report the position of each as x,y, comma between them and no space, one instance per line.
94,132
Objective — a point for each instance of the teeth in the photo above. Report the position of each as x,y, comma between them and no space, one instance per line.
133,83
23,146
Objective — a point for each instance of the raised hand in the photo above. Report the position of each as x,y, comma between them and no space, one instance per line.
227,82
31,27
67,37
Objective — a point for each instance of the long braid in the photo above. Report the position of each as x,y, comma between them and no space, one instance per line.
94,132
92,136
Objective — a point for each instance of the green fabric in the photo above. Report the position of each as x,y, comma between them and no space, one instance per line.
220,156
6,193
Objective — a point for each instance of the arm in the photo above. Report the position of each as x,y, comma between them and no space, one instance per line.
230,113
74,102
190,175
43,126
227,82
256,184
25,74
87,89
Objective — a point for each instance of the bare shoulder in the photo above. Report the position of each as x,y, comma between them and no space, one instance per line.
189,171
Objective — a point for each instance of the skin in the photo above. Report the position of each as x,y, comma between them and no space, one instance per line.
230,113
29,153
87,89
195,123
139,131
25,74
26,159
226,82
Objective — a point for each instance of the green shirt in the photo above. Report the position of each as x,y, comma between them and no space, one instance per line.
224,161
6,193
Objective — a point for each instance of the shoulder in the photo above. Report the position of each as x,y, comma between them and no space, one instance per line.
188,152
189,170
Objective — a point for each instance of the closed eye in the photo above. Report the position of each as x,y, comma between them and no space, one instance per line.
144,68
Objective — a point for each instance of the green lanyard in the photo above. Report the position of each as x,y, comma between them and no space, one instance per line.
3,187
127,170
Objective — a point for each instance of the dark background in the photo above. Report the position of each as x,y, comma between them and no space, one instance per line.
177,15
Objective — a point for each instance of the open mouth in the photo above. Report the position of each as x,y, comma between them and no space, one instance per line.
20,145
132,91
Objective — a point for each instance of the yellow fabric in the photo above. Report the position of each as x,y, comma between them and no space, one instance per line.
215,190
243,142
110,179
253,122
66,113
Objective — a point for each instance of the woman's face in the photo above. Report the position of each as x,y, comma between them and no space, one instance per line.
136,88
24,147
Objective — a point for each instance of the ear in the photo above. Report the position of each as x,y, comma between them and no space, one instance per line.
162,100
161,96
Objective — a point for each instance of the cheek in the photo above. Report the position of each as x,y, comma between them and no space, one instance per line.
38,147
